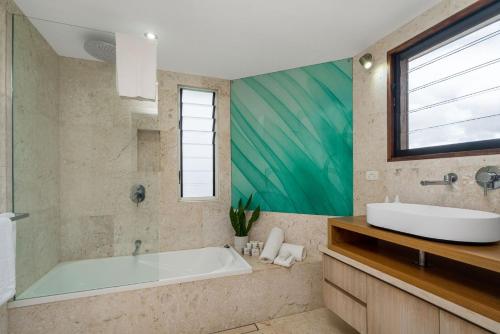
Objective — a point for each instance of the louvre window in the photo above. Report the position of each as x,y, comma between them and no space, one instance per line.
197,133
446,88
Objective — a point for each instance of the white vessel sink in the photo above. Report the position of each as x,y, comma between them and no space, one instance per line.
436,222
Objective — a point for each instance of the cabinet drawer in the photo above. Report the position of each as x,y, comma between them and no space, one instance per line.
346,307
393,311
450,324
345,277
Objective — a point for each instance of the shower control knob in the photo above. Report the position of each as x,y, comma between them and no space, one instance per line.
485,177
138,194
489,178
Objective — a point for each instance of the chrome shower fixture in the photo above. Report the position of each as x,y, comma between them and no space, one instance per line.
138,194
101,50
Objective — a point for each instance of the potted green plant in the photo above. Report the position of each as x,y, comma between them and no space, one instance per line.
241,227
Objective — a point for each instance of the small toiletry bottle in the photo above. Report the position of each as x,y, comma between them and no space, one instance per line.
249,245
261,245
246,251
255,252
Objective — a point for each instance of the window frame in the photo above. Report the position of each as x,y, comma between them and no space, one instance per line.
450,27
215,145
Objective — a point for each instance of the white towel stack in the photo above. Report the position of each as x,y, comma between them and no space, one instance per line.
136,59
285,258
7,257
280,253
298,252
272,245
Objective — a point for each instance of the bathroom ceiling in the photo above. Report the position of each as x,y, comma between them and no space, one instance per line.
228,38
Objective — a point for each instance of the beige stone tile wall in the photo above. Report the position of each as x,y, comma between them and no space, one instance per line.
3,318
109,143
196,307
36,152
370,137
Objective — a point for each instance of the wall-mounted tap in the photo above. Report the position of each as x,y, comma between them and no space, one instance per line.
489,178
138,244
448,179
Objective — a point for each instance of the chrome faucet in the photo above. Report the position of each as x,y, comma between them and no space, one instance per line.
448,179
489,178
137,246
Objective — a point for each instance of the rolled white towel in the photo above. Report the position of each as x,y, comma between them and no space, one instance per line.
284,259
272,245
298,251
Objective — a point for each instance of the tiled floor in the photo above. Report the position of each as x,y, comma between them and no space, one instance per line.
320,321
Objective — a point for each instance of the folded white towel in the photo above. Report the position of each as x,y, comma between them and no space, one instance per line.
272,245
298,251
284,259
136,59
7,257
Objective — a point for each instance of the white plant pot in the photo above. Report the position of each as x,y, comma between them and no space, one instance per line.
240,243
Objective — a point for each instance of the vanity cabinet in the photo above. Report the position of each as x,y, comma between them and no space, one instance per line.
373,306
383,282
393,311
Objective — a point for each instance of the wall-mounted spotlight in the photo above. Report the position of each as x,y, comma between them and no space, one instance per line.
150,35
366,60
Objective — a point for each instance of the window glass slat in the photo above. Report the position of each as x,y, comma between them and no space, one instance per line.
197,190
197,110
197,124
198,137
197,97
197,151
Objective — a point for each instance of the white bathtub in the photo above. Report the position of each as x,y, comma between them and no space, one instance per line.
75,279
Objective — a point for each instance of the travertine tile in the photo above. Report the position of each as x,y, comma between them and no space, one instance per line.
216,227
241,330
87,237
194,307
4,178
139,225
148,151
3,318
319,321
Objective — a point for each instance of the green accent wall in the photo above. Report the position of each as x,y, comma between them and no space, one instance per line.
291,139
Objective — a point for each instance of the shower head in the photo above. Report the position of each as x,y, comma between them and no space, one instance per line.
101,50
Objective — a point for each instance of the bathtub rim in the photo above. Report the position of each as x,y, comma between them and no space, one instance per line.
129,287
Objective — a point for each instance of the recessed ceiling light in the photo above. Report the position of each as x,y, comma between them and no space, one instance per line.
150,35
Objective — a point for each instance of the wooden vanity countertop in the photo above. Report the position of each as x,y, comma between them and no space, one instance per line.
485,256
